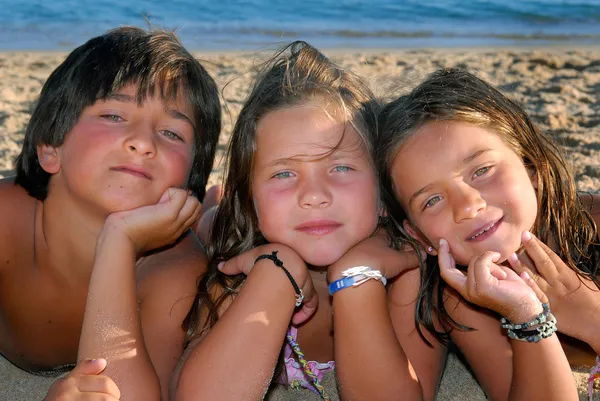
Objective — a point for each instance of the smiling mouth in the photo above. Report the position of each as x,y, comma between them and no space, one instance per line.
485,231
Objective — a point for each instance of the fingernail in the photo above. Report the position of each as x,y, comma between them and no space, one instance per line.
495,256
513,257
443,242
220,265
526,276
526,235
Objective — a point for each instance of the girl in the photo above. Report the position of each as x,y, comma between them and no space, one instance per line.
301,191
477,203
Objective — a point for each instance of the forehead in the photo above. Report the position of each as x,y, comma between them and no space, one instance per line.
170,97
438,149
306,130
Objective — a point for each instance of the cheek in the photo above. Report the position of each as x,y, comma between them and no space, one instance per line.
272,209
180,165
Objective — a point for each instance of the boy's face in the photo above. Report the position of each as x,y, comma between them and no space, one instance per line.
317,200
121,155
462,183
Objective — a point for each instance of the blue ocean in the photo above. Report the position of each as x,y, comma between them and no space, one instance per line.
254,24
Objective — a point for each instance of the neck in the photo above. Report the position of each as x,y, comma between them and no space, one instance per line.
66,233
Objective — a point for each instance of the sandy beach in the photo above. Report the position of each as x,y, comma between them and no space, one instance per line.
559,88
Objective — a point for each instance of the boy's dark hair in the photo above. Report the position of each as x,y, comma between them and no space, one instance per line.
154,60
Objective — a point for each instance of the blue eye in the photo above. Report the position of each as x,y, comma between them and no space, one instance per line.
342,168
283,174
432,201
481,171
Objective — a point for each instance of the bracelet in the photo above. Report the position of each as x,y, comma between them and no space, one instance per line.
273,257
354,277
543,326
594,375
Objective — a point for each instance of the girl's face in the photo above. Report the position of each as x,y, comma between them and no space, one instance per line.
313,183
462,183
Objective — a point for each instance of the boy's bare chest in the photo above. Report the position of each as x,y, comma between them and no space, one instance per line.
40,318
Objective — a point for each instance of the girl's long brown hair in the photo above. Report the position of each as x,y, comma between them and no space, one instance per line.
297,73
456,95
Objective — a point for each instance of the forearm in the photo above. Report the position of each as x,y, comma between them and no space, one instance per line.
541,372
111,327
236,359
370,363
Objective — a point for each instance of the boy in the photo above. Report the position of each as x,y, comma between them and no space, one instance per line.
125,117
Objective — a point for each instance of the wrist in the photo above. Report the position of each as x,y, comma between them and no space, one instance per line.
113,235
292,262
525,311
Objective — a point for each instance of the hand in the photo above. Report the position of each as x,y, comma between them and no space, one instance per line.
85,382
575,300
154,226
376,253
490,285
291,261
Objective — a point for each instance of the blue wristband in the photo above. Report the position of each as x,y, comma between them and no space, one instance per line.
356,280
343,283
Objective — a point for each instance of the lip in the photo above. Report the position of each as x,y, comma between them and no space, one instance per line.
132,169
318,227
485,230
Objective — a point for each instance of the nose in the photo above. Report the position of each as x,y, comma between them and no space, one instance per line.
141,141
466,202
314,193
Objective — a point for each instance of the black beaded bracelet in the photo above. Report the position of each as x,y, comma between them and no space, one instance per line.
540,327
273,257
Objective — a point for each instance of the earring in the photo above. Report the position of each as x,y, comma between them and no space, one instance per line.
430,249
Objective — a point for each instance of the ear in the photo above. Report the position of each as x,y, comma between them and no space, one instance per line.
417,235
49,158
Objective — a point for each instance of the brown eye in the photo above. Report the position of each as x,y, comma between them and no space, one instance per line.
481,171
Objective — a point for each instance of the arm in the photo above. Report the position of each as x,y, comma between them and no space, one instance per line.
166,290
426,360
236,358
370,363
112,324
500,289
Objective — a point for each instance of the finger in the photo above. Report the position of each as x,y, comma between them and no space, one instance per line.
89,367
309,306
543,263
480,271
240,264
98,384
451,275
189,212
520,268
533,285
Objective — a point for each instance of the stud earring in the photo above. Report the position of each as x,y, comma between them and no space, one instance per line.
430,249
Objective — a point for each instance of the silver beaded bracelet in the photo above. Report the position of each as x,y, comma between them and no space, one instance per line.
540,327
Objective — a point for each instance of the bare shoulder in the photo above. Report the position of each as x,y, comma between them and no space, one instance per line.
175,268
16,214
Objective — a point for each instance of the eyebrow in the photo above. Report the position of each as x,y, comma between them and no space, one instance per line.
121,97
465,161
334,154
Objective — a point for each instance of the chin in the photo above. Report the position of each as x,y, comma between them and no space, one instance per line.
320,260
